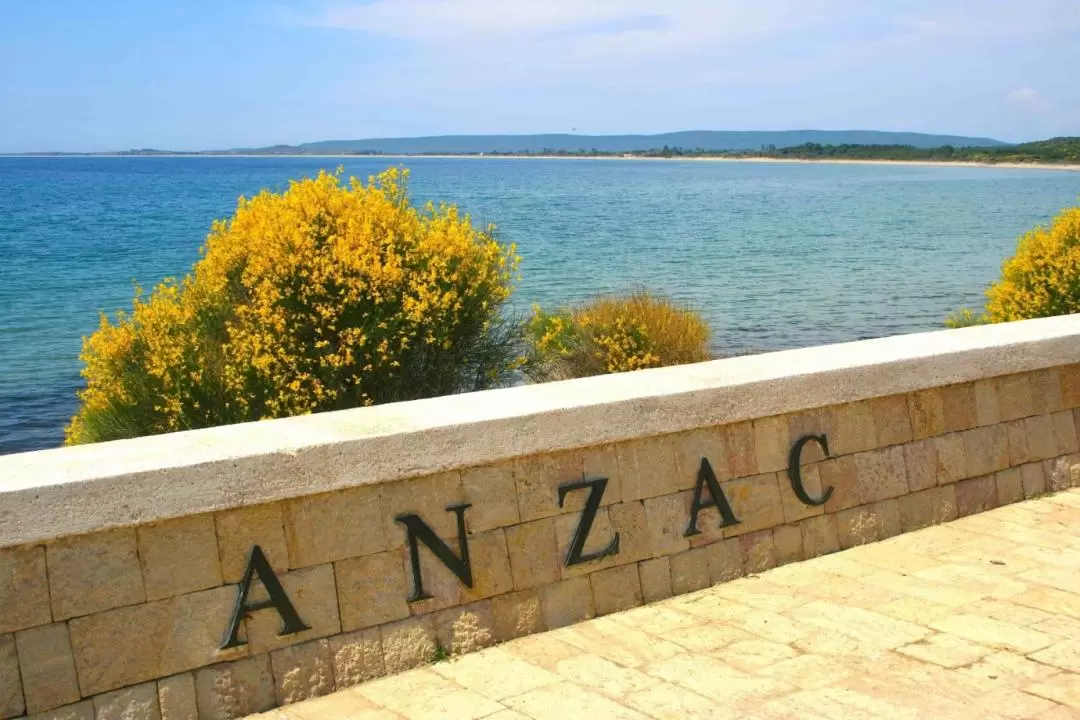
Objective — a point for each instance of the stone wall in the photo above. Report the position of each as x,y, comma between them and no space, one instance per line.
319,590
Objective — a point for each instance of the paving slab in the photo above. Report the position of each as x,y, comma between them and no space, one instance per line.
977,619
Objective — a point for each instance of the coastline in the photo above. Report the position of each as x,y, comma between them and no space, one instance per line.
772,160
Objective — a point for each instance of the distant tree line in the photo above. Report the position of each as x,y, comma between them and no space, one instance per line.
1057,150
1063,150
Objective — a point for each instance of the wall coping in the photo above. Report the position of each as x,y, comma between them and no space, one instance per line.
67,491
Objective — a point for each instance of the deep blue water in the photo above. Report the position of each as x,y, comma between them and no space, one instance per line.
774,255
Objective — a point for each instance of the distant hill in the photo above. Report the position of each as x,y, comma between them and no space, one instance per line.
709,140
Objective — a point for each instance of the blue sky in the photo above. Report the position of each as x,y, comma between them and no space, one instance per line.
117,74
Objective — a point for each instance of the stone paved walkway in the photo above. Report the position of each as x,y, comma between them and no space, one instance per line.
979,618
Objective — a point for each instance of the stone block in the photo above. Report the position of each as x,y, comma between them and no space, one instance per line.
356,657
1041,443
490,563
666,518
758,552
79,711
334,526
771,443
952,462
852,427
24,588
1046,395
92,573
179,556
655,577
725,560
958,406
986,450
690,571
788,542
240,529
1010,486
1058,472
892,421
691,447
12,703
1065,436
176,697
372,590
313,593
628,519
927,507
616,589
603,462
427,497
867,523
302,671
741,453
235,689
648,468
795,509
534,559
1016,436
927,412
976,495
195,625
920,460
132,703
755,501
566,602
1015,396
48,667
537,479
819,536
442,586
987,409
812,422
880,474
1034,479
408,644
600,536
1070,385
839,474
466,628
492,491
517,614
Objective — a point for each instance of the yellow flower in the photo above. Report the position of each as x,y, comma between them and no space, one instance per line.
328,295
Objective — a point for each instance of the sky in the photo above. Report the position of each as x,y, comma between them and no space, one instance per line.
198,74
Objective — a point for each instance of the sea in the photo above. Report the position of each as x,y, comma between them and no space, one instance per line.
773,255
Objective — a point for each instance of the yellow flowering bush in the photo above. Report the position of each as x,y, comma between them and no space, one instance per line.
613,334
1041,280
327,296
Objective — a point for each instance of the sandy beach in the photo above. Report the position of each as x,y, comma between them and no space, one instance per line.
821,161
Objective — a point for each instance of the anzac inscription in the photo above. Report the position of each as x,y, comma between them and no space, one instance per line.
418,531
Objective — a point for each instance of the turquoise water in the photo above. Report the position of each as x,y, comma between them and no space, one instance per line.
774,255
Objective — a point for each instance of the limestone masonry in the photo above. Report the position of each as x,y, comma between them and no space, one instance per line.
222,572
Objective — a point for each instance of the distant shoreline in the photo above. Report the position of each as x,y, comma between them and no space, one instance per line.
535,156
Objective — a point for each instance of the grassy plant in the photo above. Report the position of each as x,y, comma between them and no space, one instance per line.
440,654
613,334
964,317
330,295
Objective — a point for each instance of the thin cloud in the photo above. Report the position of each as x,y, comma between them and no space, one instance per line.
1028,99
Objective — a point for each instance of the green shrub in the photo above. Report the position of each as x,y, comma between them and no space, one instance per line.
1041,280
613,334
324,297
